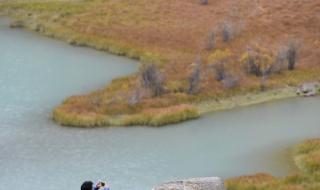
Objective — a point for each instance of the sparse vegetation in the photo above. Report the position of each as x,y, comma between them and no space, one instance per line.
140,29
227,32
152,78
292,53
135,97
230,81
218,61
194,78
211,41
203,2
151,117
279,63
306,156
258,61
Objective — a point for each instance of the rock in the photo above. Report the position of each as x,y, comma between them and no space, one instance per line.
207,183
309,89
16,24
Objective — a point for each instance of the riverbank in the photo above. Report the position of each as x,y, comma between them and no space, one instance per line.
172,114
306,156
186,89
246,100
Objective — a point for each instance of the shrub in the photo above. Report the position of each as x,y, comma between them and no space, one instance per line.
230,81
218,61
292,53
279,62
257,61
152,78
177,86
135,97
211,41
252,67
203,2
227,32
194,78
263,81
220,71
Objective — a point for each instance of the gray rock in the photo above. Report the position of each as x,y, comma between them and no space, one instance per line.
309,89
207,183
16,24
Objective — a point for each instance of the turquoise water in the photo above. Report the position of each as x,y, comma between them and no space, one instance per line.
37,73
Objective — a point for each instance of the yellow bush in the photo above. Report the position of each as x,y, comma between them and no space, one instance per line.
219,55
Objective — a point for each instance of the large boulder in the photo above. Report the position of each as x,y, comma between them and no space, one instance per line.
207,183
309,89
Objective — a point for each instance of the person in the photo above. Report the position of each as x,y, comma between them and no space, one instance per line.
87,185
100,185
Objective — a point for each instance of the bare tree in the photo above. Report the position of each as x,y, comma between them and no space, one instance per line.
211,41
252,67
194,78
203,2
220,71
263,81
230,81
135,97
292,55
279,62
152,78
226,32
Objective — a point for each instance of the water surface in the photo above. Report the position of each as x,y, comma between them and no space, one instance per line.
37,73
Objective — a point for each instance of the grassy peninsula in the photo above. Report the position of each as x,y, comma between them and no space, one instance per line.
194,57
306,157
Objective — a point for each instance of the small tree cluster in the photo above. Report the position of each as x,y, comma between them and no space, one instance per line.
286,58
263,63
258,61
203,2
219,61
194,78
152,78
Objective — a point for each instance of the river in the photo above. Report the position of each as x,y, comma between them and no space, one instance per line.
37,73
